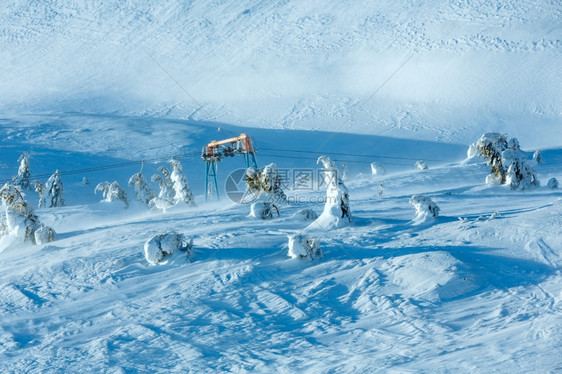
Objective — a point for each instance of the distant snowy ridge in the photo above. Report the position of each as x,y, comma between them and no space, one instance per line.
288,64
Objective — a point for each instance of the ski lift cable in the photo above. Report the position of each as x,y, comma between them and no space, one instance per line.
338,159
351,154
110,166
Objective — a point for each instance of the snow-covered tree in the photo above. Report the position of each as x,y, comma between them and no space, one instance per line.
22,180
552,183
421,165
112,192
377,168
19,219
266,183
537,157
167,194
506,159
344,172
144,193
301,247
336,209
162,246
53,192
425,208
179,182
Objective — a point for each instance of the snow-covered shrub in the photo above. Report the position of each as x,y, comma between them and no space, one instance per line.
307,215
552,183
537,157
179,182
425,208
263,210
44,234
53,192
301,247
519,175
144,193
167,194
336,209
344,172
421,165
377,169
22,180
112,192
19,218
266,182
506,159
162,246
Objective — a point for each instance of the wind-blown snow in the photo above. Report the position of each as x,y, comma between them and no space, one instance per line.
92,89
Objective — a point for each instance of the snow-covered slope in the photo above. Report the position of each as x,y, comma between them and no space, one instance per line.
457,68
94,89
473,290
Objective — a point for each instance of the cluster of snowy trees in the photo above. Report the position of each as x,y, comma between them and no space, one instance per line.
17,218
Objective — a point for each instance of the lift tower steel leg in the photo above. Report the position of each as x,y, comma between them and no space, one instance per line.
211,171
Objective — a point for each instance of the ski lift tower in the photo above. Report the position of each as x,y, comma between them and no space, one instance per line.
215,151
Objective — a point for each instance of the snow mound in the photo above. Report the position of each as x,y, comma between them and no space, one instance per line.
263,210
306,215
162,246
301,247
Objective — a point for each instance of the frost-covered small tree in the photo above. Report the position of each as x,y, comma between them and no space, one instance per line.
144,193
425,208
552,183
301,247
167,194
23,179
344,172
19,218
266,182
40,189
53,192
112,192
537,157
336,212
179,182
421,165
506,159
377,168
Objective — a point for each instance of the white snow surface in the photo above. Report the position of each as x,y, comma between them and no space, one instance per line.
93,89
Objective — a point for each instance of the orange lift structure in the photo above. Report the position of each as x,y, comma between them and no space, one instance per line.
215,151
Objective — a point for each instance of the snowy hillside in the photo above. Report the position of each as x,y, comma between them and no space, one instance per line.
93,90
460,66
